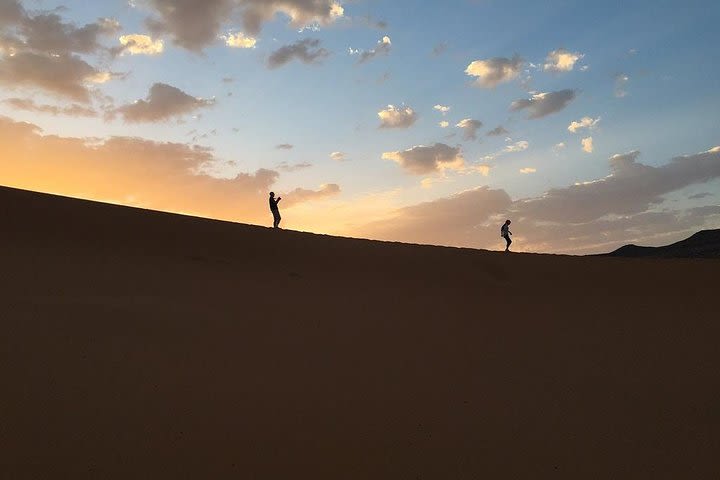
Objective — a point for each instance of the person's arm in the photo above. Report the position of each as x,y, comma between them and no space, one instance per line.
278,200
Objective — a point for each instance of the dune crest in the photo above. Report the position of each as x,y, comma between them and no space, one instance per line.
140,344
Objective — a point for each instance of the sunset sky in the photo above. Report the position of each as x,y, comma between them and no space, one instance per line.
589,124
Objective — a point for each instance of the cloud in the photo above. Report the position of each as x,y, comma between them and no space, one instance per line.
29,105
239,40
494,71
41,51
439,49
132,171
442,109
307,51
631,188
11,12
194,25
392,117
427,182
446,221
423,160
163,102
497,131
621,81
561,60
284,146
46,32
559,146
587,144
301,195
527,170
589,217
384,45
337,156
63,75
469,128
699,196
520,146
444,124
370,21
483,169
286,167
542,104
585,122
137,44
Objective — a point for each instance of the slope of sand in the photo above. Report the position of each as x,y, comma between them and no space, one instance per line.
144,345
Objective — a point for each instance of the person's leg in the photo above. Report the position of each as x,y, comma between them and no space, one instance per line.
276,219
507,239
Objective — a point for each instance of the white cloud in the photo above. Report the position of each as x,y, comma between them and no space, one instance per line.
337,156
494,71
442,109
393,117
520,146
444,124
137,44
587,144
527,170
561,60
585,122
99,77
239,40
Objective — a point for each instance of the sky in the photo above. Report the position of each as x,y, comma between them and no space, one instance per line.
588,124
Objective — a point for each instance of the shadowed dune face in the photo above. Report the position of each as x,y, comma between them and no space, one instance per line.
146,345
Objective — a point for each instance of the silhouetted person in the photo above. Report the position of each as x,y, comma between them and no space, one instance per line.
274,209
505,233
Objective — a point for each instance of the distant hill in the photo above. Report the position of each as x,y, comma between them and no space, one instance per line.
704,244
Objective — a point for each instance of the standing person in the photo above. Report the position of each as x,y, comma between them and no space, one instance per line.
275,210
505,233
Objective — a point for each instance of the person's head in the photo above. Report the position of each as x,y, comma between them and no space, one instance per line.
507,222
272,194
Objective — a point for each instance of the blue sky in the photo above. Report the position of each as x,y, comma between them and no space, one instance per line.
643,73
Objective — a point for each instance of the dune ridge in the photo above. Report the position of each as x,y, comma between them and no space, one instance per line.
140,344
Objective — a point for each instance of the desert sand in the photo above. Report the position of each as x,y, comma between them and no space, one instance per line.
145,345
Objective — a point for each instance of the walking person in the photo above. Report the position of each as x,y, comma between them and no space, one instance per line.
506,233
275,210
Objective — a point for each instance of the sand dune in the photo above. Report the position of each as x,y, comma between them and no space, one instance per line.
139,344
704,244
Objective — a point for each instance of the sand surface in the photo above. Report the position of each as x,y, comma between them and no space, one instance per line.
142,345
